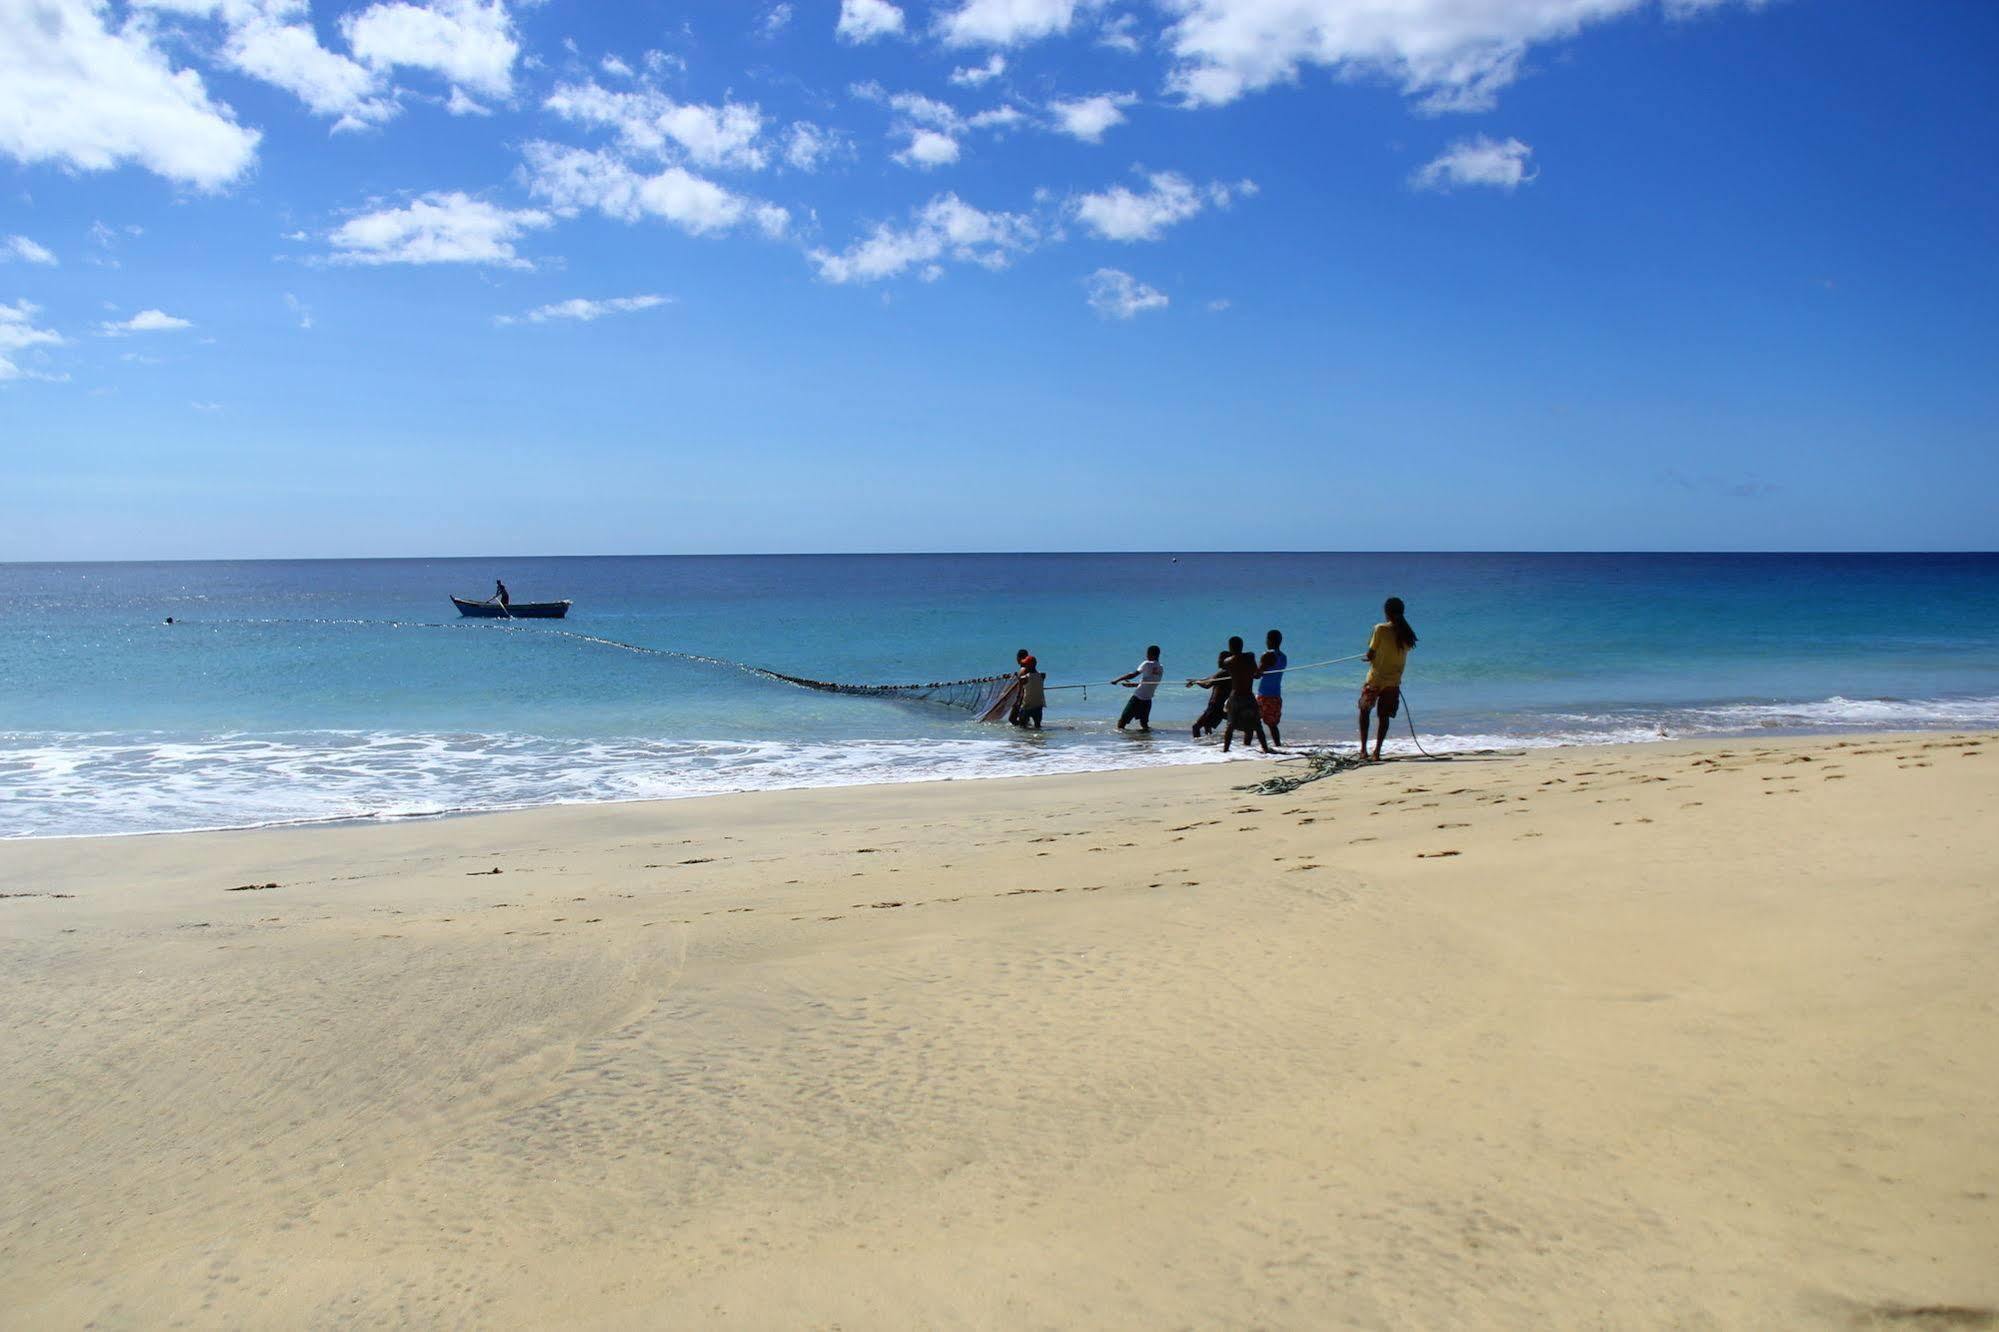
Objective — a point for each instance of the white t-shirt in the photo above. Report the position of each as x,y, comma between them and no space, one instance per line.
1150,673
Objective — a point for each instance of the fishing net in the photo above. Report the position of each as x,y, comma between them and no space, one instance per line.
984,695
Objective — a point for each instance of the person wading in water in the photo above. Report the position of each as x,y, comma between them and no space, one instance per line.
1387,654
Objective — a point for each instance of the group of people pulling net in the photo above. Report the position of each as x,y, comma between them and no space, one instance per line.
1245,691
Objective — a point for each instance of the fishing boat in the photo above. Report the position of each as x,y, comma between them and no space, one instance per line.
518,610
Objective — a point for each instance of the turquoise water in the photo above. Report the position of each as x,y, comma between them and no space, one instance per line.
340,689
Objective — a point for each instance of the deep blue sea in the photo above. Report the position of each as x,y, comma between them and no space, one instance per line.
297,691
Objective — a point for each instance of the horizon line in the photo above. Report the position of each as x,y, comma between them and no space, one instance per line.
1009,554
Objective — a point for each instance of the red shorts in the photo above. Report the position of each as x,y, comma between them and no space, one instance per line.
1271,708
1386,697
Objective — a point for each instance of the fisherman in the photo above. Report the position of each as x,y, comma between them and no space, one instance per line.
1218,697
1023,666
1270,688
1241,671
499,594
1144,683
1033,697
1387,654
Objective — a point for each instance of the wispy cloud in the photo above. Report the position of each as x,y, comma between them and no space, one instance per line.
440,228
868,20
584,310
18,333
1499,164
1087,118
945,228
1115,294
1449,55
20,247
1123,214
146,321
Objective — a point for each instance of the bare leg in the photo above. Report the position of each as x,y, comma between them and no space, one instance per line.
1363,731
1380,732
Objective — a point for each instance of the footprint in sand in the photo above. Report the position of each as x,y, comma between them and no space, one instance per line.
1436,855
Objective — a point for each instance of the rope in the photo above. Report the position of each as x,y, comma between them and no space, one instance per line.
1288,670
1409,715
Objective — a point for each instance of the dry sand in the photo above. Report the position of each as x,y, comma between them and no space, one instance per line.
1633,1038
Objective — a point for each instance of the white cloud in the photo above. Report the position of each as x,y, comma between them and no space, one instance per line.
615,67
1115,294
1122,214
1008,22
580,308
807,147
650,122
1499,163
469,42
1121,34
576,178
201,406
1087,118
946,227
79,93
458,104
299,310
865,20
927,111
773,21
17,333
20,247
927,149
975,76
289,56
932,130
439,228
1219,304
146,321
1451,55
997,118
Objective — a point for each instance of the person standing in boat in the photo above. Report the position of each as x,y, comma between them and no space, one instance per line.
1387,654
500,594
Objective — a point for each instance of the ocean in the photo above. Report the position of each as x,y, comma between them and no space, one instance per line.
298,691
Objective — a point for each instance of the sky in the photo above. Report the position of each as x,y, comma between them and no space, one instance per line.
436,277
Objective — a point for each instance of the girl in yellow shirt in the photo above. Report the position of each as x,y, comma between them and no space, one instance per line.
1387,654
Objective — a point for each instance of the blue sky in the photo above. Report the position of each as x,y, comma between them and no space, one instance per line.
478,277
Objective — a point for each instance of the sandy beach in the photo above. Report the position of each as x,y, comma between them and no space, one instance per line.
1627,1038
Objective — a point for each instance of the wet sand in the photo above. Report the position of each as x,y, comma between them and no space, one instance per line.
1639,1037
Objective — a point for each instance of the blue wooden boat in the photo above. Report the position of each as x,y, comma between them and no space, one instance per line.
519,610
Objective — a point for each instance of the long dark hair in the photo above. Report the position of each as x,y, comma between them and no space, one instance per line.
1404,635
